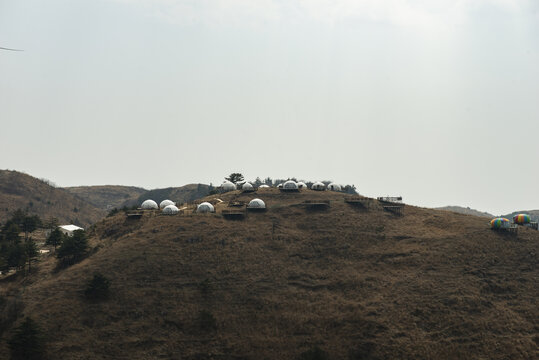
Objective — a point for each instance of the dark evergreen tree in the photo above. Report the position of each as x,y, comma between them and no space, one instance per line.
97,288
14,255
30,252
10,232
51,223
27,343
235,178
30,224
56,237
73,249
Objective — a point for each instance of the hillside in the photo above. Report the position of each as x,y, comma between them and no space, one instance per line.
107,197
19,190
358,283
465,211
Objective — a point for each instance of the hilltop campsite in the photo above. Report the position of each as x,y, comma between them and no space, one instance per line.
320,272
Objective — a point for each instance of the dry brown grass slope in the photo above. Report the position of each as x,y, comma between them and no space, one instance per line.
360,284
22,191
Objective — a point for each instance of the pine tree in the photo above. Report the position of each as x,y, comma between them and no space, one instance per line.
235,178
27,343
30,252
73,249
56,237
97,288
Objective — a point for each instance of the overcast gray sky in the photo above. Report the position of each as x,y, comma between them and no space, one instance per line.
437,101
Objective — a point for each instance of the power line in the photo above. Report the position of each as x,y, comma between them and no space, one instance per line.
3,48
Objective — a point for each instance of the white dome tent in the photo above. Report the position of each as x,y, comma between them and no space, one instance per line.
228,186
149,205
205,207
302,185
280,186
166,203
318,186
170,210
247,187
290,185
334,187
264,186
256,204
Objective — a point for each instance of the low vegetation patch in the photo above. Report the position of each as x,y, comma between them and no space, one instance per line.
28,342
98,288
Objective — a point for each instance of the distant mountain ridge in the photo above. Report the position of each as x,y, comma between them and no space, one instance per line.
182,194
80,205
22,191
534,214
465,211
107,197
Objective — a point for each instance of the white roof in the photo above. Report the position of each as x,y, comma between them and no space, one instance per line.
166,203
170,209
334,187
149,204
247,186
228,186
290,185
257,203
318,185
205,207
263,186
70,228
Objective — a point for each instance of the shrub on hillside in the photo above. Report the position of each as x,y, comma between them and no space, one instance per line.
206,321
205,287
314,354
27,343
97,288
10,309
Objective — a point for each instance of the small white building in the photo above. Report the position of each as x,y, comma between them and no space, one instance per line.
149,205
166,203
69,229
205,207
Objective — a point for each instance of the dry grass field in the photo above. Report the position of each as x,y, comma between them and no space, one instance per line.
357,283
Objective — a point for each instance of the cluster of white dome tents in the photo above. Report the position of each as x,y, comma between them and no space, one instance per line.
169,207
